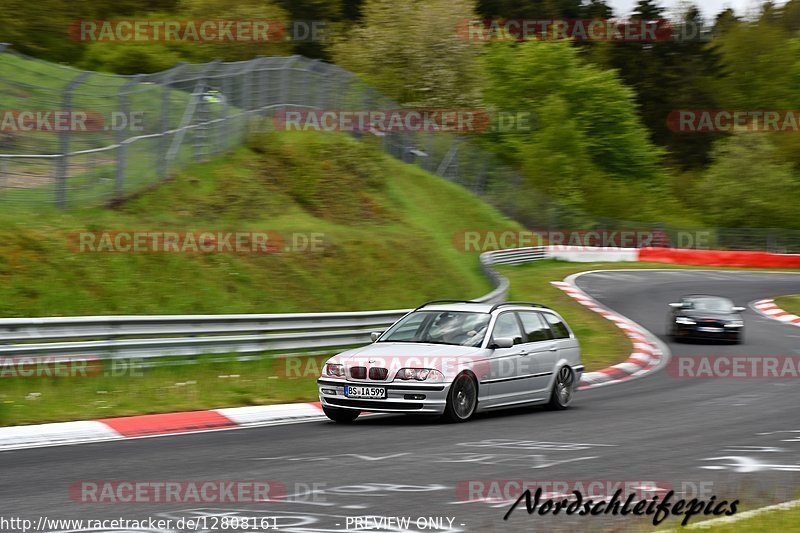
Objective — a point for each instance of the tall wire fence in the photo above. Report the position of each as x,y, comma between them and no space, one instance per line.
74,138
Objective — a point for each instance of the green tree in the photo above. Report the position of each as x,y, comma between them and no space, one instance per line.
597,9
145,57
410,51
668,75
760,64
551,79
746,186
41,28
724,21
331,12
530,9
790,15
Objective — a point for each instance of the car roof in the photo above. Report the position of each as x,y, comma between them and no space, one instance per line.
479,308
702,296
465,307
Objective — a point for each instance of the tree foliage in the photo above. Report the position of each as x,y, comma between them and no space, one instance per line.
410,52
746,187
587,109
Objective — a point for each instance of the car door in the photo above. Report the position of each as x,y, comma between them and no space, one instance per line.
568,347
501,383
539,354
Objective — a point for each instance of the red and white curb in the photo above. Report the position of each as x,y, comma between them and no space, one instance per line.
770,310
647,354
130,427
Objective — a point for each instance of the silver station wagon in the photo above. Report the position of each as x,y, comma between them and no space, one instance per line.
454,358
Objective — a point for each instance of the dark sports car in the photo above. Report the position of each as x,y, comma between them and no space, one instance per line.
700,316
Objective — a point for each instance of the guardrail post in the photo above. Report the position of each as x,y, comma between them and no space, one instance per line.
122,149
166,91
285,81
320,85
62,166
200,138
247,104
227,128
482,179
772,241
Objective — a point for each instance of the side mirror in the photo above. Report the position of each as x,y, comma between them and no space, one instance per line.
676,305
739,309
374,335
503,342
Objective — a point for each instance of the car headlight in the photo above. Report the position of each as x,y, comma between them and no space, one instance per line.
419,374
734,324
685,320
334,370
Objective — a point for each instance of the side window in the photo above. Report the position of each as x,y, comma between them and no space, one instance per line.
508,327
557,326
535,328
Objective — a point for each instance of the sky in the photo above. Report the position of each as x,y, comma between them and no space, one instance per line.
710,8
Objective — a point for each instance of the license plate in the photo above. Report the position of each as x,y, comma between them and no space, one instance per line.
376,393
710,330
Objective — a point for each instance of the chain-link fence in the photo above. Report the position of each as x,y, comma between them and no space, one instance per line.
75,138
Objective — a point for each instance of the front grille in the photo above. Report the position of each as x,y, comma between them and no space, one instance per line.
373,404
358,372
378,373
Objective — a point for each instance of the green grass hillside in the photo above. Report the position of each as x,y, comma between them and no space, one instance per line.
387,238
790,304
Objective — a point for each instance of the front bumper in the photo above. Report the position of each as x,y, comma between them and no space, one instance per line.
400,397
695,332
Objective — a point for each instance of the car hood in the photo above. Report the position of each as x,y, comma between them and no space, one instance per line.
397,355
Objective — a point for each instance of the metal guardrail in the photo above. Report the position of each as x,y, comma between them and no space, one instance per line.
515,256
186,335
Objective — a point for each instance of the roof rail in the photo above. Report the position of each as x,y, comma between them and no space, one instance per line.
532,304
446,302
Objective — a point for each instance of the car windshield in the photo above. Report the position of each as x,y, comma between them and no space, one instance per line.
456,328
713,305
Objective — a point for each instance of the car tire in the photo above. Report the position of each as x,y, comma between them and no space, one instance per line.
462,399
341,416
672,332
563,389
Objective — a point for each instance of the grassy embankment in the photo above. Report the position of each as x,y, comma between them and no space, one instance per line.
790,304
